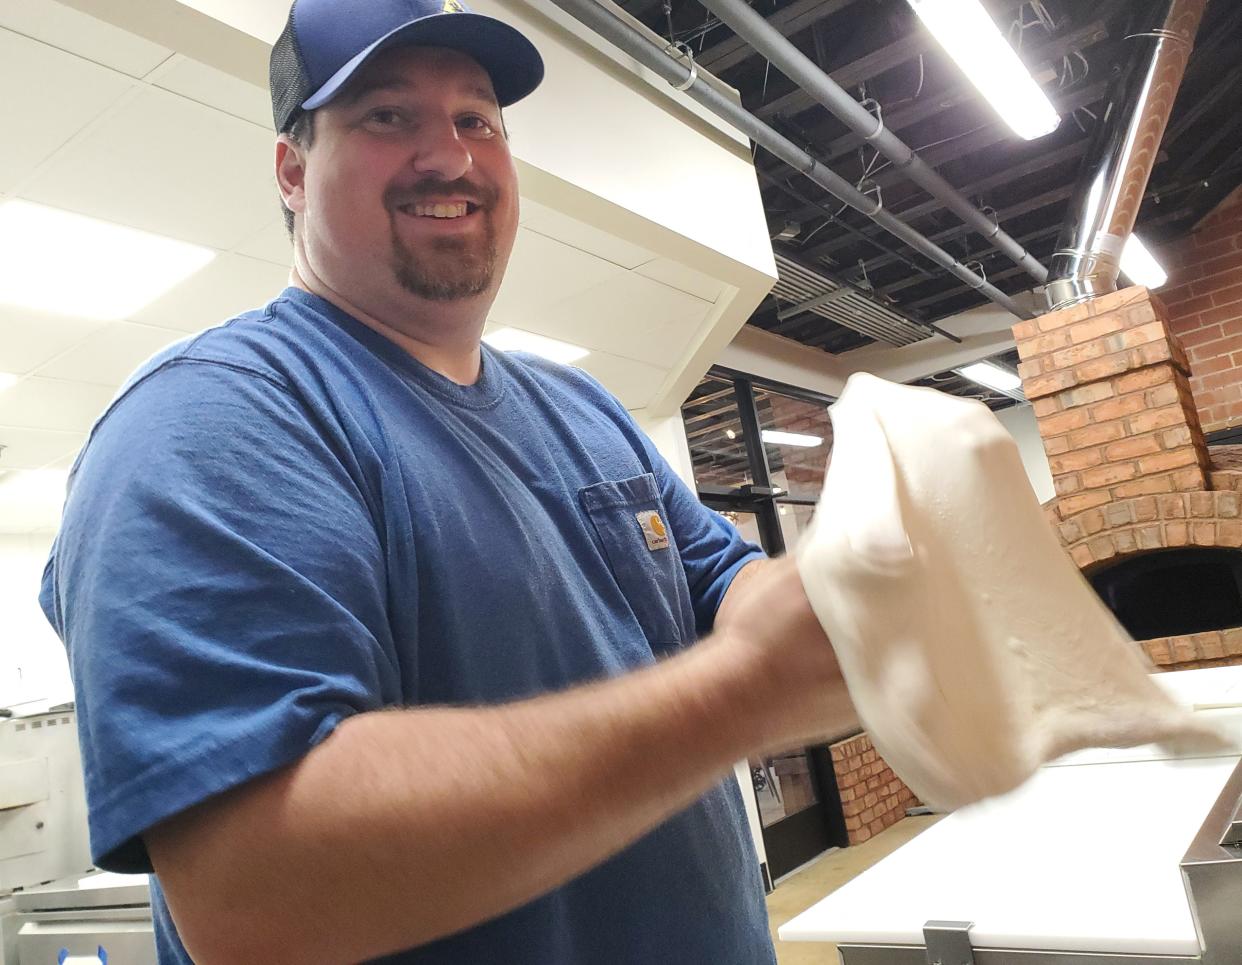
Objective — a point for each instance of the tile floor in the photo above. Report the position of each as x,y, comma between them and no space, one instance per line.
797,893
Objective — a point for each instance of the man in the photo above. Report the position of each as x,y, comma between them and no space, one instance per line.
380,637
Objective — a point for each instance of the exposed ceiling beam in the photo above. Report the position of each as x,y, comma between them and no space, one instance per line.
995,132
974,141
931,105
1040,162
1224,86
1054,196
1028,240
788,20
917,41
853,73
815,208
1226,128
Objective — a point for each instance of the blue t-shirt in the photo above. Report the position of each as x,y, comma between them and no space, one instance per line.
288,520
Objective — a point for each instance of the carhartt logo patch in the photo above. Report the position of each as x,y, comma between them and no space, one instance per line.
653,529
452,6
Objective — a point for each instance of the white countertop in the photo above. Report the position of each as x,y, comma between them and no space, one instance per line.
1084,857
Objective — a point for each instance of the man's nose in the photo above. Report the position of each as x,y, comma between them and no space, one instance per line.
441,151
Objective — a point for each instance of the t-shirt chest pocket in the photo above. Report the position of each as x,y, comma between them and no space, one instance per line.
630,522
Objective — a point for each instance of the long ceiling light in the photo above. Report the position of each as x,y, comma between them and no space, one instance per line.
775,437
968,35
517,340
992,376
58,261
1138,264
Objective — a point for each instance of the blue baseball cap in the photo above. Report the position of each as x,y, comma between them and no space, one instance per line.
326,41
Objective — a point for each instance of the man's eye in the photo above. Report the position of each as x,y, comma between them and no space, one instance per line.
384,117
476,124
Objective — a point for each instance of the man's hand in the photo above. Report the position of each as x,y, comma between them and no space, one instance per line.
766,623
302,864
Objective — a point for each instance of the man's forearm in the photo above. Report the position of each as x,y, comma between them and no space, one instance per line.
408,825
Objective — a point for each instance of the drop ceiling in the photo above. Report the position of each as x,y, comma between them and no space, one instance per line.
112,126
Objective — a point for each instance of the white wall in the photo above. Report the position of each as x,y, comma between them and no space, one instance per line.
32,659
1020,421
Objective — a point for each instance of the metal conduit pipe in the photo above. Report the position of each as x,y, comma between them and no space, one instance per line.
1123,150
674,69
794,64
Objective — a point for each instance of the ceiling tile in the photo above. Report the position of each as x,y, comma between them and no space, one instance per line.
215,88
270,243
634,383
595,241
630,316
49,96
212,186
39,403
676,275
110,355
542,271
228,286
36,448
28,338
81,34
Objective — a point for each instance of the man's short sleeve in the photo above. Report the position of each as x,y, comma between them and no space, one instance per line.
712,550
219,583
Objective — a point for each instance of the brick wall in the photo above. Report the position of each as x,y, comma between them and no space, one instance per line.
1111,394
1204,301
1195,651
872,796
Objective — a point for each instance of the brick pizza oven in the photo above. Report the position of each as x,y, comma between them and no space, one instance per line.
1150,514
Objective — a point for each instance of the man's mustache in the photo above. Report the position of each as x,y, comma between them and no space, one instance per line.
396,197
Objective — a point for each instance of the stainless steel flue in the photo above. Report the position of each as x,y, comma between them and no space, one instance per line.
1123,151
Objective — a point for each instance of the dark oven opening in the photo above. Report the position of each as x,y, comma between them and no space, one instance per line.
1172,592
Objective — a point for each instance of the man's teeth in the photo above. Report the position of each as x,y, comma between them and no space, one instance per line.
456,210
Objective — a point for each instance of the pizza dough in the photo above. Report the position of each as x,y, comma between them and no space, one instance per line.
972,647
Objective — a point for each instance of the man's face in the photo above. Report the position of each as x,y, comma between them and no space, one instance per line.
410,188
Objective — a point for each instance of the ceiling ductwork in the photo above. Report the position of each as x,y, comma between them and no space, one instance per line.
798,67
810,291
1119,161
675,64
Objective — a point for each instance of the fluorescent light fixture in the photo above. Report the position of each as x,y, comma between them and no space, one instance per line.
992,375
776,438
968,35
7,380
1139,266
516,340
58,261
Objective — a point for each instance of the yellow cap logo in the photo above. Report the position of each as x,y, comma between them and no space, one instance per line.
452,6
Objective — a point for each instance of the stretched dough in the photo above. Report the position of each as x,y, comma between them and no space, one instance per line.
972,647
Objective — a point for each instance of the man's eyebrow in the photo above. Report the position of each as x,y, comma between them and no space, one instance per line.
482,93
373,84
395,82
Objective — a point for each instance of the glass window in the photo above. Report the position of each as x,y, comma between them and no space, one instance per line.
714,433
797,438
794,519
783,785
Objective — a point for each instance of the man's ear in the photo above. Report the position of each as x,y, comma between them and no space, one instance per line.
291,173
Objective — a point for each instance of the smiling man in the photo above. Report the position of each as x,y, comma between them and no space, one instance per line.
381,639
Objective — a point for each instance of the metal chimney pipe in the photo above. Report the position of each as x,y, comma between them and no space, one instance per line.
683,74
744,21
1123,151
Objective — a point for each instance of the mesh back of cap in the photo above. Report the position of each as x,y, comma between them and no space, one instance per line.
287,77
